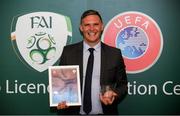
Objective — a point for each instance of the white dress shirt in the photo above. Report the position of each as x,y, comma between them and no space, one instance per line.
95,87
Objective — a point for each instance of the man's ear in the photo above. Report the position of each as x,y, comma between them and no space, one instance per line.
80,29
102,27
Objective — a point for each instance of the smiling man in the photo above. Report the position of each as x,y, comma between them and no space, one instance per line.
102,70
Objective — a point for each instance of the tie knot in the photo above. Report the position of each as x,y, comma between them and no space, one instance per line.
91,50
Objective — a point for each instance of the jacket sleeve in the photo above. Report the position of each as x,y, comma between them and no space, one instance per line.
120,86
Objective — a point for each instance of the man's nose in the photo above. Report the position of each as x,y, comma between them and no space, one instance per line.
91,27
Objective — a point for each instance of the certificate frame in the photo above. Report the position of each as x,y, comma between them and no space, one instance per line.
64,85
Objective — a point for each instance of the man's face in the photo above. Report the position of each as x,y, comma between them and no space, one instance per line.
91,27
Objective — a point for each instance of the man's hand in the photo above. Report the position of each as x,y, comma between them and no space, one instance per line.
108,97
62,105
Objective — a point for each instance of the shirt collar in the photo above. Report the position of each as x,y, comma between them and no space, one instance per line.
96,47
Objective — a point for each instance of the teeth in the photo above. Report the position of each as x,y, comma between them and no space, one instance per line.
91,33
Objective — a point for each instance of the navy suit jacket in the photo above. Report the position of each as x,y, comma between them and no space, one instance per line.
112,72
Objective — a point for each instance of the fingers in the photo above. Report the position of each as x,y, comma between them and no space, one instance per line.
111,100
107,101
103,100
108,97
62,105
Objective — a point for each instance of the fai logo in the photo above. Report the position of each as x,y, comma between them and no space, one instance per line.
139,38
38,38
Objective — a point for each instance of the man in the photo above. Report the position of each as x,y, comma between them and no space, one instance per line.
108,69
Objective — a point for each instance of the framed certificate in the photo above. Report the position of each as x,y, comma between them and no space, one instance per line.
64,85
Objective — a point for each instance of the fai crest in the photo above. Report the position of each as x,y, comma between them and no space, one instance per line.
139,38
38,38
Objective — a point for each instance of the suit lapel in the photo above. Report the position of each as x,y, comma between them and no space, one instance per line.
103,63
80,61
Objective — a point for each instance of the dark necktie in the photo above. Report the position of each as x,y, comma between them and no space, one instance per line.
87,106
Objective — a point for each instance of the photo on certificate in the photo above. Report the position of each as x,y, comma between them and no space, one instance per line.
64,85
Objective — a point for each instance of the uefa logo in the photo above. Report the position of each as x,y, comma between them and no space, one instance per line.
139,38
38,38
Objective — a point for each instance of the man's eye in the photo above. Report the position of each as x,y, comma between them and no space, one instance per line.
86,25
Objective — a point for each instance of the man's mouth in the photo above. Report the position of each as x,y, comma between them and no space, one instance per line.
91,33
